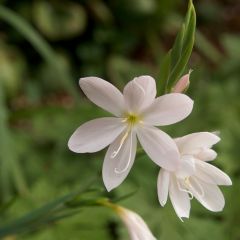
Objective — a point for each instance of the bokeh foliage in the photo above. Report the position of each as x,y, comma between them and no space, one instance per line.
45,46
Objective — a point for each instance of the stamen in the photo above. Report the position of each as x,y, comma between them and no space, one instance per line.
124,120
185,190
129,159
114,154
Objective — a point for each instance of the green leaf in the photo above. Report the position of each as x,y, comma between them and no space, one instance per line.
164,72
177,46
176,60
53,210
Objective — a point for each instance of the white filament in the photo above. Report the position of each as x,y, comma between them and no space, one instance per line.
114,154
185,190
129,159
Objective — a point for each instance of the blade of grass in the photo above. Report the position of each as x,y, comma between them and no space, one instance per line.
49,211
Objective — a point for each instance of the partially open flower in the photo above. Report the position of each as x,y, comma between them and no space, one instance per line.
137,228
194,177
137,113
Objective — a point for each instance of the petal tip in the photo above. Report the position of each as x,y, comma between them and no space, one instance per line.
181,218
215,137
83,80
108,187
162,202
228,182
71,145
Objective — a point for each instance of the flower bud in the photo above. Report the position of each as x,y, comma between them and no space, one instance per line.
136,226
182,84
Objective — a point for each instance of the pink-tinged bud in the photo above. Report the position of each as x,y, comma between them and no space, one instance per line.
182,84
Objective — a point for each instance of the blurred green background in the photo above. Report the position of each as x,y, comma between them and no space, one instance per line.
46,46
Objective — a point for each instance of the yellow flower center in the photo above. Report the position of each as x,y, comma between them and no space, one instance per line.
132,119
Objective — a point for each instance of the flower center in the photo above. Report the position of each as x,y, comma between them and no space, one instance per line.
187,186
132,119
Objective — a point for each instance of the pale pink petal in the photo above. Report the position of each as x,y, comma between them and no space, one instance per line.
95,135
116,166
206,154
168,109
103,94
139,93
209,195
195,141
182,84
211,174
186,167
163,186
179,198
159,146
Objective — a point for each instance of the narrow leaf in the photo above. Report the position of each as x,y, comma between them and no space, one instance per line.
176,59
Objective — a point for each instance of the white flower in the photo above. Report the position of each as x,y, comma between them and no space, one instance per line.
194,177
137,111
137,228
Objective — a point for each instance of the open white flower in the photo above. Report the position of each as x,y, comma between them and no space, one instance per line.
137,228
137,111
194,177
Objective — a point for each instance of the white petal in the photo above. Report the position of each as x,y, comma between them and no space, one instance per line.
206,154
186,167
95,135
209,195
195,141
180,199
103,94
139,93
163,186
137,228
115,169
159,146
210,174
168,109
